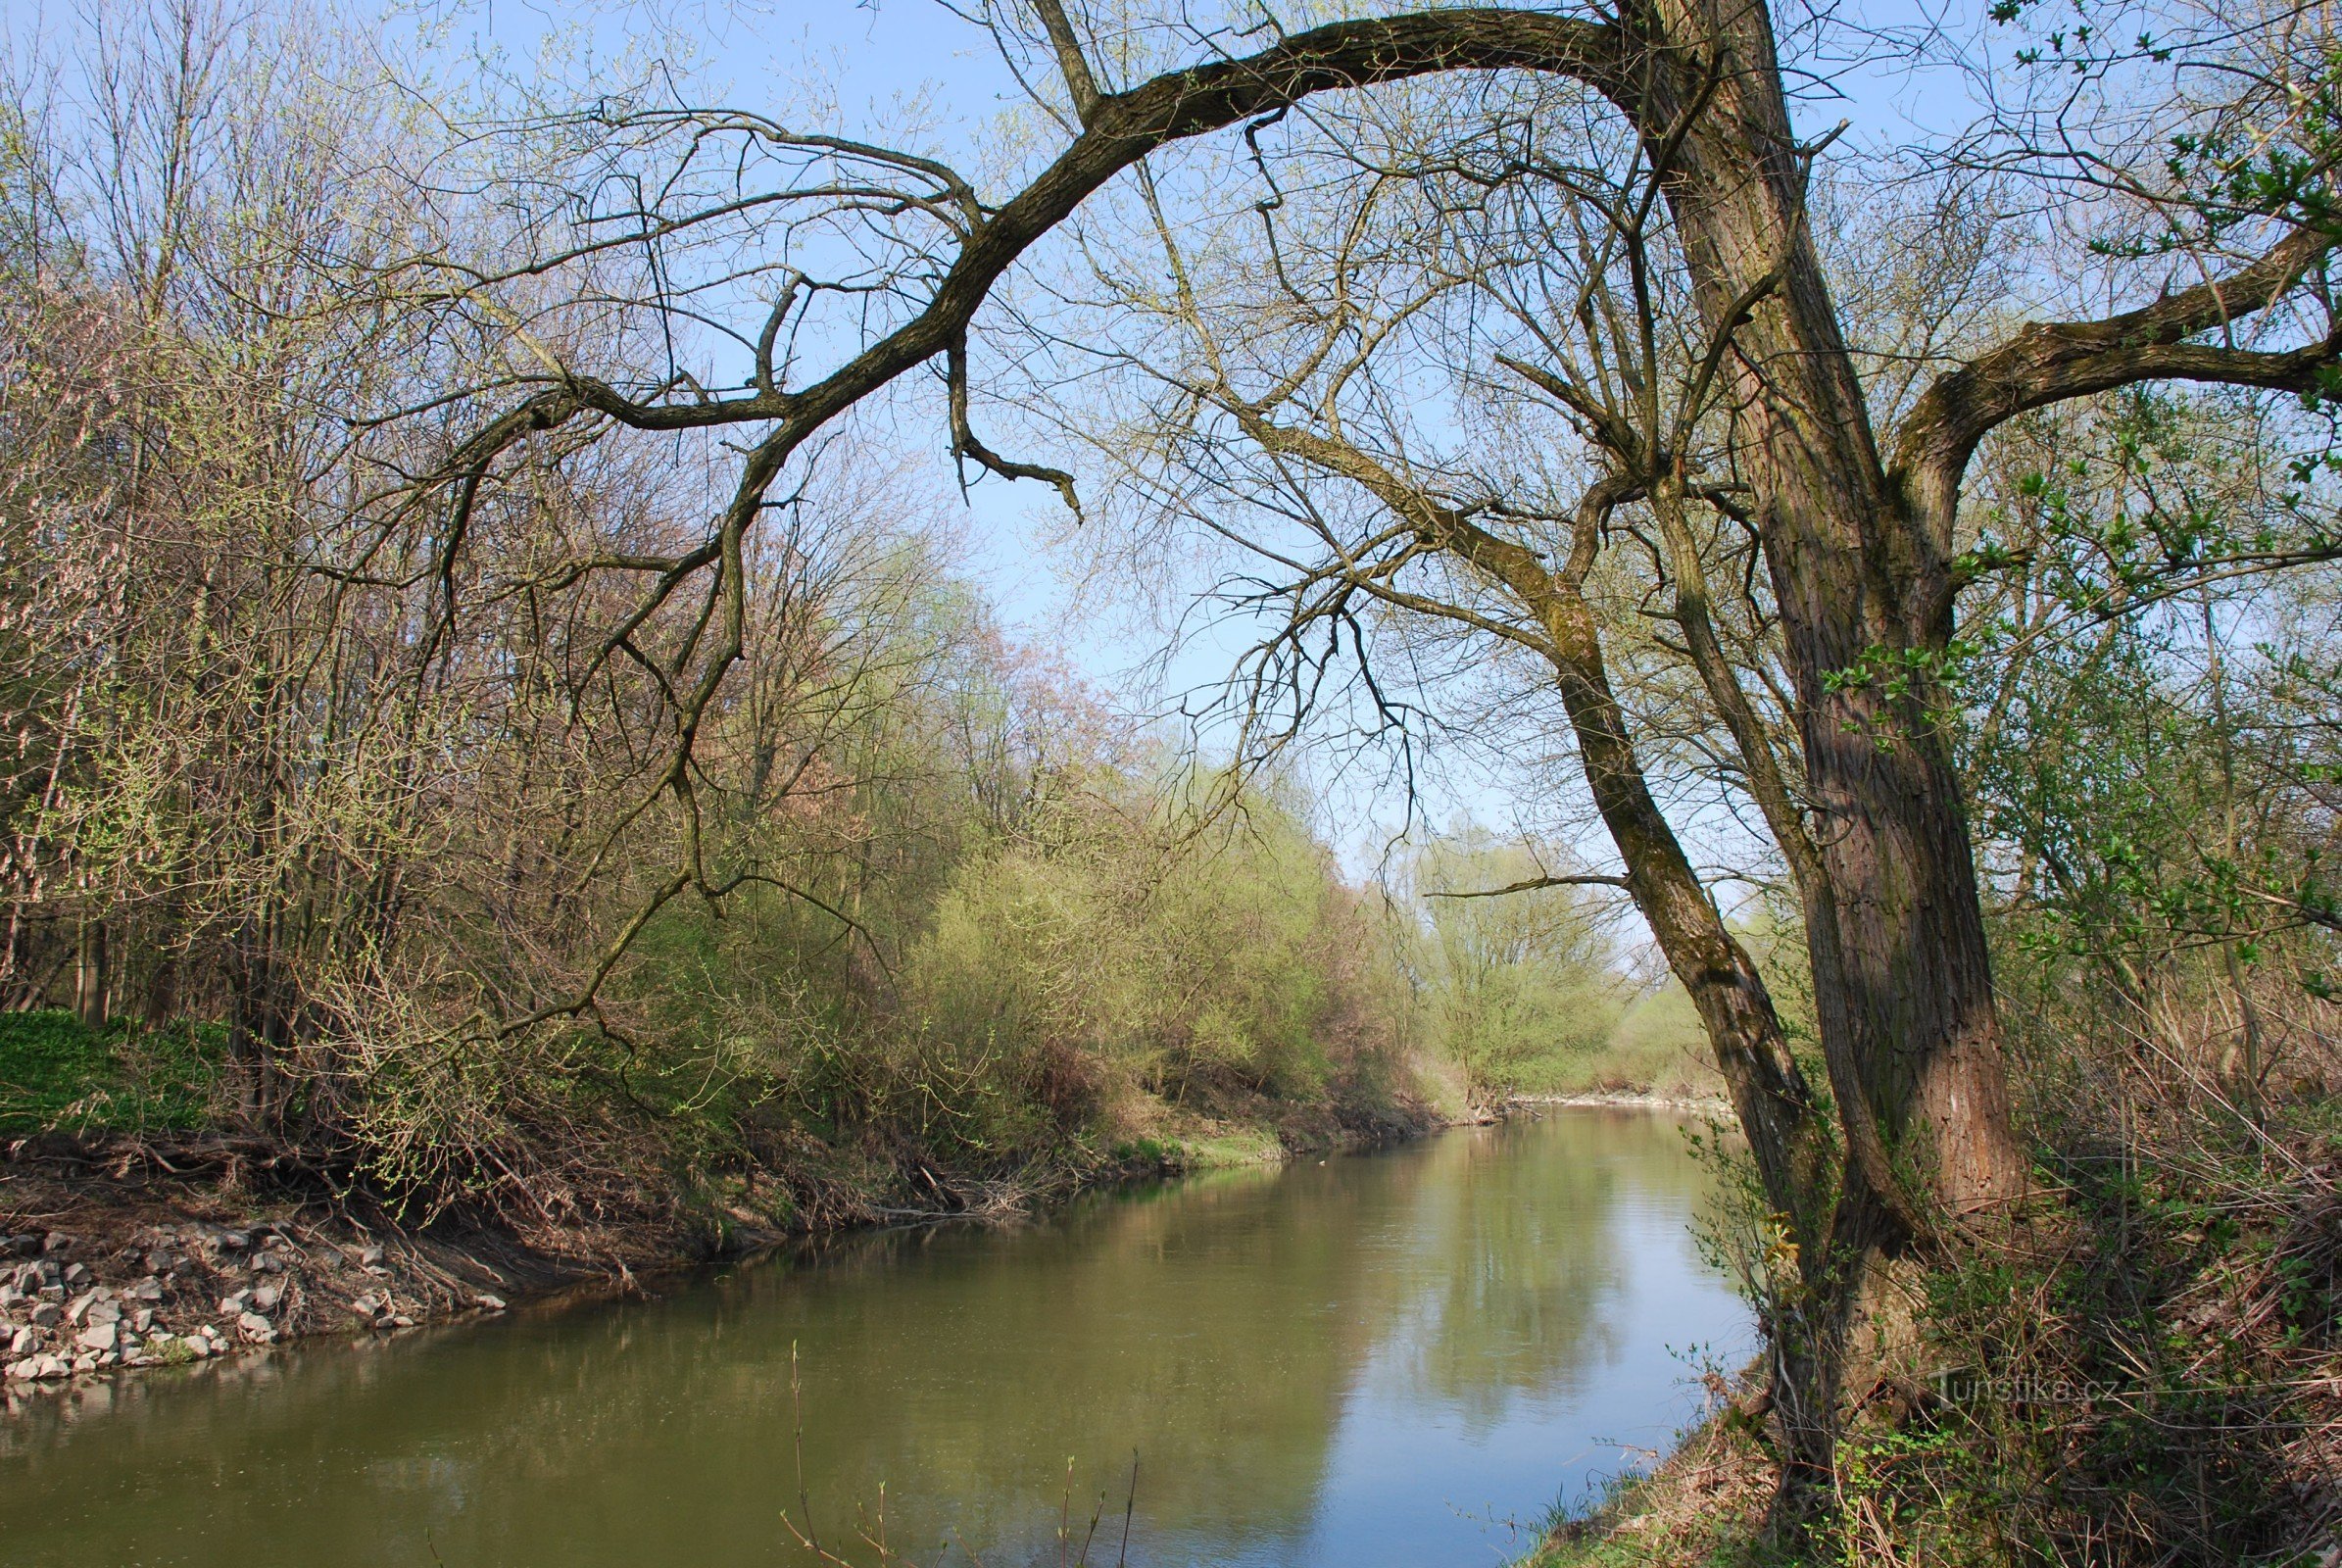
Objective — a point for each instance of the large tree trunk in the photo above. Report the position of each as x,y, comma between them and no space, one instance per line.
1902,981
1808,1194
1777,1111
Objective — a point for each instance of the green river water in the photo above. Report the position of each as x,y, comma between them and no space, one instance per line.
1378,1360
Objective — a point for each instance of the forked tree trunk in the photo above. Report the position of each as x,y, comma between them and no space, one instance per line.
1902,982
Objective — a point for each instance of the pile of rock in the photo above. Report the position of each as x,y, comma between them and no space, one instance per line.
189,1292
59,1318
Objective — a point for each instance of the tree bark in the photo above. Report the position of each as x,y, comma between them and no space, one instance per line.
1902,978
92,974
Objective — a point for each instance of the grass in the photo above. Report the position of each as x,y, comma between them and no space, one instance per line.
1214,1148
57,1073
1701,1508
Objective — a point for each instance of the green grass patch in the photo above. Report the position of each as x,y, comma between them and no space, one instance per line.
57,1073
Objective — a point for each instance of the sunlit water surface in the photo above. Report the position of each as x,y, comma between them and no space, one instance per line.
1380,1359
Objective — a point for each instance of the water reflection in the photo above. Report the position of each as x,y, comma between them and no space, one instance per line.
1366,1361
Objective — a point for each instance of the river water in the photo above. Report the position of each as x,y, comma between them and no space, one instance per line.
1401,1357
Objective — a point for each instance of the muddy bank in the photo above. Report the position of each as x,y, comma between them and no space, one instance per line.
100,1275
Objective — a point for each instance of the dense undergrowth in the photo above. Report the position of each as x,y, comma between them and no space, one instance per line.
1075,1000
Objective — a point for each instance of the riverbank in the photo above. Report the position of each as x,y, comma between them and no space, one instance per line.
1629,1100
119,1255
113,1260
2150,1374
1703,1502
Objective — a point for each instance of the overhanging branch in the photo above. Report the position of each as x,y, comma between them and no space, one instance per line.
2049,362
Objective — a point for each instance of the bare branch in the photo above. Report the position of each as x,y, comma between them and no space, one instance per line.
1071,62
1590,880
2048,363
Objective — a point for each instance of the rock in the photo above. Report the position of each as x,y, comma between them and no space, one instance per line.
267,1263
82,1364
10,1296
24,1342
48,1315
105,1309
257,1328
369,1257
143,1319
266,1298
56,1242
367,1305
231,1305
232,1240
78,1275
100,1337
402,1320
149,1289
490,1303
20,1371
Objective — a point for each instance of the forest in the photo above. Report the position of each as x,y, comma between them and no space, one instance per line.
1836,616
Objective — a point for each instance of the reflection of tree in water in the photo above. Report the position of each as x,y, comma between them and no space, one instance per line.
1219,1327
1522,1255
1215,1329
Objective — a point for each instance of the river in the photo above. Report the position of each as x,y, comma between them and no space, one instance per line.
1399,1357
